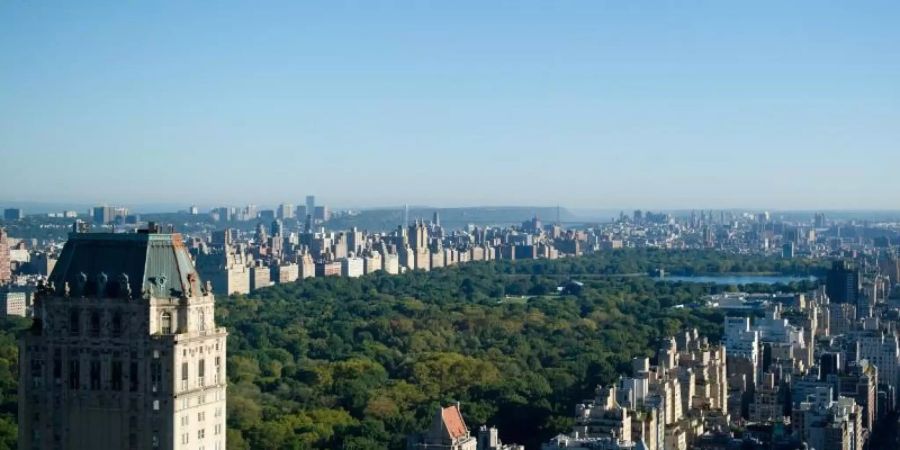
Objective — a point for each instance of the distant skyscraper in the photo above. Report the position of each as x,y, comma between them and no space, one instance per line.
285,211
13,214
322,214
310,204
787,250
5,272
127,354
842,283
104,215
266,215
224,213
418,236
277,228
436,219
819,221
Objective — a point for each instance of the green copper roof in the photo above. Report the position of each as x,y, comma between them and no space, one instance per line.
125,265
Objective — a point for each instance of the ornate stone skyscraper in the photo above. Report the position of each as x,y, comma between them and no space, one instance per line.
124,352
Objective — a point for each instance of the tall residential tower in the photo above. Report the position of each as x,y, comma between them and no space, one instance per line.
124,352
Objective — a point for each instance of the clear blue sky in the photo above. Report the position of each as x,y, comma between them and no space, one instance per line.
652,104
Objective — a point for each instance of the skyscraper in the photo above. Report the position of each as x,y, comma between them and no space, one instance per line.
310,204
5,272
13,214
285,211
842,283
103,215
125,353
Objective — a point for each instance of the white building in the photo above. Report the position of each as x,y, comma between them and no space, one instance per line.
391,263
740,340
352,267
13,304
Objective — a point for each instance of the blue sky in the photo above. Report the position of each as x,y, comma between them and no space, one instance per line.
628,104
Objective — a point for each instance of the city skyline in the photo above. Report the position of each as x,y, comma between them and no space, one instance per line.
591,105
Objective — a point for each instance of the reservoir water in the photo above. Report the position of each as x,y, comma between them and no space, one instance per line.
737,279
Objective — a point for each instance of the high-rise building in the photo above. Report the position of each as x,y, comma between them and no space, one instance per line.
103,215
13,214
13,304
787,250
310,204
322,214
5,270
127,354
819,221
842,283
285,211
223,213
300,213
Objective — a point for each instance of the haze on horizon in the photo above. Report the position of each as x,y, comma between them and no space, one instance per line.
603,105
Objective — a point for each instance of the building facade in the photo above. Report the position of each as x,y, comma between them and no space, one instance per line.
125,352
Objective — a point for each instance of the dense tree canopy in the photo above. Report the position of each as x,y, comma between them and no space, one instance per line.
10,327
361,363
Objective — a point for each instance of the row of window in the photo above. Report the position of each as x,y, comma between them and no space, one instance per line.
166,322
94,327
201,434
201,372
115,374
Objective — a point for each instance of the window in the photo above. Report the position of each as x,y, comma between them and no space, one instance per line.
184,438
201,416
116,375
201,318
133,377
201,433
95,324
117,324
37,373
165,323
201,370
74,374
74,322
57,366
156,405
95,375
156,373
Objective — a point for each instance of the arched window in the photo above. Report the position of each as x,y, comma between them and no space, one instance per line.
165,323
